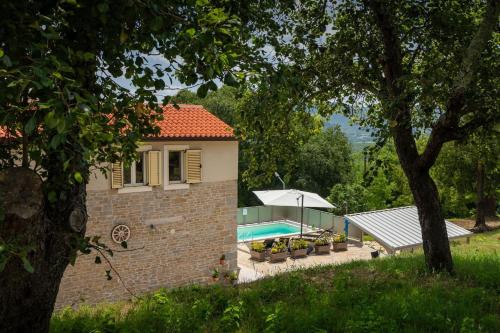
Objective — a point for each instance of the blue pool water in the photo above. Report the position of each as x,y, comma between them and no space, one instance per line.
267,230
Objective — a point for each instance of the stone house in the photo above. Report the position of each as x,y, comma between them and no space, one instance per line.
175,207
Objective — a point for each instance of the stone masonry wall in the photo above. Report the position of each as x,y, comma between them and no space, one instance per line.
177,237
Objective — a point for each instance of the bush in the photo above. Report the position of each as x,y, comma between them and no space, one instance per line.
258,247
278,247
339,238
299,244
323,240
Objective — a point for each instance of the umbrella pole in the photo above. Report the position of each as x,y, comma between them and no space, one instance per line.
301,215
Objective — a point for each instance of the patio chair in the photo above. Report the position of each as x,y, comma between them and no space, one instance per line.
312,236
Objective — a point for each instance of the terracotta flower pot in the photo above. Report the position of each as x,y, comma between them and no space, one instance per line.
277,257
300,253
258,256
339,247
322,249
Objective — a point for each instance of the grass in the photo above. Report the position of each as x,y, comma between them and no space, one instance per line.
383,295
368,238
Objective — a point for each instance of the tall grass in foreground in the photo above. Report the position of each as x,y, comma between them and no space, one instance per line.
388,295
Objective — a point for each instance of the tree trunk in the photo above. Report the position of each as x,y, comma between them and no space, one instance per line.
481,201
434,235
27,299
425,193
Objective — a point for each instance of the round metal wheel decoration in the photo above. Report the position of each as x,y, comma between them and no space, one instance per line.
120,233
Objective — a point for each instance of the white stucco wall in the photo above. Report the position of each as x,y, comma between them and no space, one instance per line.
219,161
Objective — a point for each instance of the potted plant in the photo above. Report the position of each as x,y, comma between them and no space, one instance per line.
299,248
322,245
279,252
339,243
233,277
258,251
215,274
222,259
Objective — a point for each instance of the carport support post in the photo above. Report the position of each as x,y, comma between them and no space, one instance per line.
346,227
301,215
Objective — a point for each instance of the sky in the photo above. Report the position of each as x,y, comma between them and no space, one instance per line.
171,89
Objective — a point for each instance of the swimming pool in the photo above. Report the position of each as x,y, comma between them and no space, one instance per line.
268,230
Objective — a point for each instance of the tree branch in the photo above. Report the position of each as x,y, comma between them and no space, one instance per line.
448,123
398,99
393,67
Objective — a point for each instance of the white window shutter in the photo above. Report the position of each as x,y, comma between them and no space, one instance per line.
116,175
154,168
193,166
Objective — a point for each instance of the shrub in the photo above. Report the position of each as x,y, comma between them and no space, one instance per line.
278,247
258,247
339,238
299,244
233,276
323,240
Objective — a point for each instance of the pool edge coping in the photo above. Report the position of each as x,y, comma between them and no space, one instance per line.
306,229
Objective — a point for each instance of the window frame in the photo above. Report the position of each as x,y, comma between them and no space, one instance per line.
182,166
174,185
142,149
133,172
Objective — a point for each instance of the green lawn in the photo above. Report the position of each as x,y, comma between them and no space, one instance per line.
382,295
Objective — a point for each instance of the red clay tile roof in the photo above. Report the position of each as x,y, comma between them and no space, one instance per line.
187,122
192,121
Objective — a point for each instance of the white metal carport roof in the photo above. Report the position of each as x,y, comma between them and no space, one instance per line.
397,228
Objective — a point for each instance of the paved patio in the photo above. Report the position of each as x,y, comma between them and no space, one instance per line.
251,270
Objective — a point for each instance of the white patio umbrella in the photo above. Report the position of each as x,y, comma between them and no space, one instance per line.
293,198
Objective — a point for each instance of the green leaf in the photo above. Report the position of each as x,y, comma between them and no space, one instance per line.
30,125
57,140
191,32
103,7
123,37
157,23
50,119
3,262
87,56
1,53
52,196
61,125
230,80
166,100
202,90
78,177
72,259
57,75
159,84
6,61
212,85
27,265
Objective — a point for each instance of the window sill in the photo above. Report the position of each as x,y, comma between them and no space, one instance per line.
182,186
135,189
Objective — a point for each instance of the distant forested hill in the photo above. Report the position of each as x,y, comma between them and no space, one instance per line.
359,137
